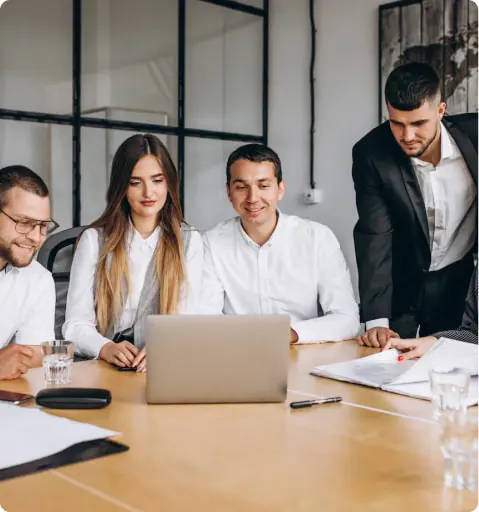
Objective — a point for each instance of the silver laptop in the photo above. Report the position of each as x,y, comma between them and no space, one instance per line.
217,359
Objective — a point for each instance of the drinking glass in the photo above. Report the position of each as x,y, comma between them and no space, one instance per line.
57,361
459,448
450,388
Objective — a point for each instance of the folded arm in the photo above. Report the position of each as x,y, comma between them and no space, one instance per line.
341,318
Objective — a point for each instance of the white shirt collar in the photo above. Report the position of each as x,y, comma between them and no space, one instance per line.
449,149
448,146
10,268
135,239
272,239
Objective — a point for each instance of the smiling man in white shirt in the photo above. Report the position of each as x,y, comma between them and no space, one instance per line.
27,290
266,262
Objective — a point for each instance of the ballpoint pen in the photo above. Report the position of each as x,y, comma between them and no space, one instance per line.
309,403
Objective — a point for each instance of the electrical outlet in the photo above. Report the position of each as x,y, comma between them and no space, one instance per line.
312,196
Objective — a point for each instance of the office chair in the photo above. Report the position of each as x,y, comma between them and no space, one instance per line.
56,255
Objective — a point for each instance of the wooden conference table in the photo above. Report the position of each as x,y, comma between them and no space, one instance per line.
374,452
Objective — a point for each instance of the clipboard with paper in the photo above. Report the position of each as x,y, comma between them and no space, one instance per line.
410,378
32,440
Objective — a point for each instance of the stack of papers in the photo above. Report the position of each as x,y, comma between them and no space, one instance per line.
28,434
411,378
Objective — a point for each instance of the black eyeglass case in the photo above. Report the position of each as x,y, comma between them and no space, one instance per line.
73,398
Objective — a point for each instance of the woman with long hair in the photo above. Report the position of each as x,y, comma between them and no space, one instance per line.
138,258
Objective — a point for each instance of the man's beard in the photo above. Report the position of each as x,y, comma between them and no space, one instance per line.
6,253
426,146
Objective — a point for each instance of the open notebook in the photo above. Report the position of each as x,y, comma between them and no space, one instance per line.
411,378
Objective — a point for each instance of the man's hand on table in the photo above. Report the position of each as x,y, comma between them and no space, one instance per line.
16,360
376,337
293,337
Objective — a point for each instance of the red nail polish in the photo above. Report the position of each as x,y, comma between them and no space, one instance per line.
400,358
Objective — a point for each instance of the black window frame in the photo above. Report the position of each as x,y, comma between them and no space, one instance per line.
77,121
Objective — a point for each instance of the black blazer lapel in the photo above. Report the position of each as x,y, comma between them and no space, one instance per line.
395,157
415,196
466,147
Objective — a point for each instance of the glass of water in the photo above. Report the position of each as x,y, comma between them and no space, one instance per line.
450,388
57,361
459,448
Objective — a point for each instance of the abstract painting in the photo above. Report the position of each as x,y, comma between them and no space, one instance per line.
442,33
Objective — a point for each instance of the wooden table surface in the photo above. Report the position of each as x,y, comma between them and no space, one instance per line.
374,452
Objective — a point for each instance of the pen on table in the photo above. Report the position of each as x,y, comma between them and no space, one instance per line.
309,403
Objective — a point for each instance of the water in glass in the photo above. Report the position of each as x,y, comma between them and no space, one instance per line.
459,448
58,368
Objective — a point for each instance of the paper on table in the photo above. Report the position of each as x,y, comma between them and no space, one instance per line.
376,370
28,434
446,354
382,370
423,390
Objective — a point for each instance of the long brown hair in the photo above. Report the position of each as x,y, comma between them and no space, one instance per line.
114,224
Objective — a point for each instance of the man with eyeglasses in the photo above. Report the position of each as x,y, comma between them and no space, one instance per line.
27,290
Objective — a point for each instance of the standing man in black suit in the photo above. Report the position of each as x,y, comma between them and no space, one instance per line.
415,178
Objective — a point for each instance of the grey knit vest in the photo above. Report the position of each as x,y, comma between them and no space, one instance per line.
149,302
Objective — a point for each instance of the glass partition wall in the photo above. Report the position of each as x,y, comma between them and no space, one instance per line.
93,72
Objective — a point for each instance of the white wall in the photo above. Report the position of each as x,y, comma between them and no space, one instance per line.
346,103
346,93
223,89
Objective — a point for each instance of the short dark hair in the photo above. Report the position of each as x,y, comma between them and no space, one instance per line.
255,153
23,177
410,85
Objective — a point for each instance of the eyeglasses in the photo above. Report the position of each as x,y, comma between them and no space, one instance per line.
24,227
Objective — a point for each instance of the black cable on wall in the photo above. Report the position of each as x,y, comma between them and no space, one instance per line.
311,94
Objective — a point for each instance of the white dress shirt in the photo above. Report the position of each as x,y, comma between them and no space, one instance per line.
300,267
449,194
27,305
80,318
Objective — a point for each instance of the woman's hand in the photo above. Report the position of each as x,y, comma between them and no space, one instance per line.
411,348
120,354
140,361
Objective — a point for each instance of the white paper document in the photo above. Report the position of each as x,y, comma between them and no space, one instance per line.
28,434
411,378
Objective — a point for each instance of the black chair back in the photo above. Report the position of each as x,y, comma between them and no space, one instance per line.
56,255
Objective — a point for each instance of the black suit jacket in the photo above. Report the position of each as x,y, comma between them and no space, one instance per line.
467,331
391,236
